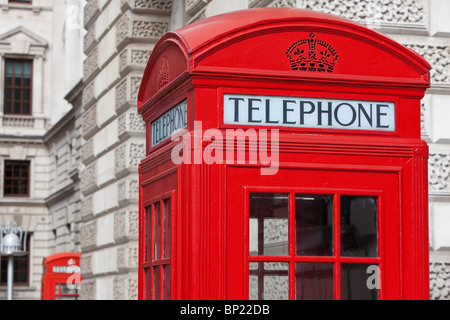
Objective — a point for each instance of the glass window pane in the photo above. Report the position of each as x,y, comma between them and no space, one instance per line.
16,107
17,68
148,234
66,290
167,282
157,232
26,108
359,230
17,94
167,234
8,107
26,94
8,94
269,226
359,282
9,80
27,68
314,281
24,191
157,283
268,281
9,67
148,273
18,82
314,225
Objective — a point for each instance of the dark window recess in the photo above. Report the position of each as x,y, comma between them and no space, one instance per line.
20,1
17,179
359,227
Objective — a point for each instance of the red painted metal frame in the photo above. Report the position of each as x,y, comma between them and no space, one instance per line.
150,262
244,52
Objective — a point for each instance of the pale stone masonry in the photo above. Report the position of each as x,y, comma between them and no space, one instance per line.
85,139
47,33
120,36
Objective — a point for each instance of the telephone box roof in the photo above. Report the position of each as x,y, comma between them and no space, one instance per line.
257,40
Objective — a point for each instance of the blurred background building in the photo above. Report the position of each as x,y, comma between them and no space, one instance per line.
71,138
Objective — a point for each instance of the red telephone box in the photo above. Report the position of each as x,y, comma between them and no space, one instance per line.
284,161
61,277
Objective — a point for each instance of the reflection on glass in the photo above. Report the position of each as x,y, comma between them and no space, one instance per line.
268,281
314,225
269,227
157,283
26,108
9,67
18,68
314,281
148,234
8,107
66,290
359,231
27,68
157,232
167,235
148,273
167,282
359,282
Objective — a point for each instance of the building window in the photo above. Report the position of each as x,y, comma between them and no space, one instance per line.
17,179
21,269
158,250
18,77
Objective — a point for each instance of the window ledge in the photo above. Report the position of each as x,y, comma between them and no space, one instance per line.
18,121
13,201
19,288
24,6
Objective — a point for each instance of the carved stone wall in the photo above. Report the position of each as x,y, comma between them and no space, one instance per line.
439,173
118,43
396,12
195,9
133,28
439,57
440,280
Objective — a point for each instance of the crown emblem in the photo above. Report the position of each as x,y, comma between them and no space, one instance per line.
163,74
312,55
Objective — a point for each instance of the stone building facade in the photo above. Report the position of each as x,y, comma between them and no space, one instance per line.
84,139
46,36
